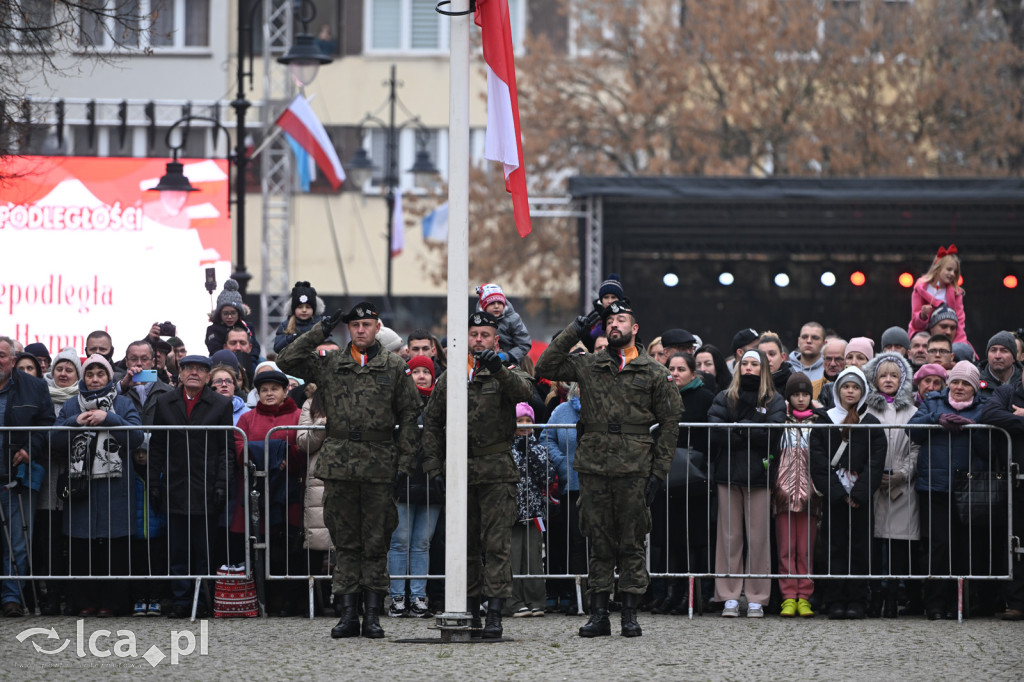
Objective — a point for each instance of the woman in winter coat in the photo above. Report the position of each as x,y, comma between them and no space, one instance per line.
742,456
846,467
897,527
418,511
224,380
100,519
317,540
941,454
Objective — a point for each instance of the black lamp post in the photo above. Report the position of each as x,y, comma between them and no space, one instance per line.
303,59
361,168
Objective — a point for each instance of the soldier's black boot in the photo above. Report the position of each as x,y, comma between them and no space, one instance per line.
630,628
492,626
372,603
473,606
598,625
348,626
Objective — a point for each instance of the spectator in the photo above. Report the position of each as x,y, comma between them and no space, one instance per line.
567,547
23,402
742,341
710,361
27,363
963,351
919,350
677,341
512,333
41,354
266,366
100,343
307,310
944,322
656,350
610,290
940,351
239,340
939,289
859,351
189,471
316,539
846,467
930,378
940,455
771,345
98,520
895,340
224,380
422,342
807,358
600,343
230,312
833,355
143,394
741,459
1001,366
897,527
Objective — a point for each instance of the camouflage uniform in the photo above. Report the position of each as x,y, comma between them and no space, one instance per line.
359,458
616,453
492,478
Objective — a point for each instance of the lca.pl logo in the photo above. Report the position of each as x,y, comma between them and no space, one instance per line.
182,643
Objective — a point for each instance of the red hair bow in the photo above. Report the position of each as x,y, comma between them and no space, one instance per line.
943,251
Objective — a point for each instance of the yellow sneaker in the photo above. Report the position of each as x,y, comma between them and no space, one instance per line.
788,608
803,607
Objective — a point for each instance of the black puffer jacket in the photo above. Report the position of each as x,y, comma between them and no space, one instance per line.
741,456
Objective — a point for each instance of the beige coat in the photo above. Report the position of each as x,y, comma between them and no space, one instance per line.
309,442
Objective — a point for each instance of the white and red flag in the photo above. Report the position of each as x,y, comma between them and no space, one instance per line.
299,121
503,140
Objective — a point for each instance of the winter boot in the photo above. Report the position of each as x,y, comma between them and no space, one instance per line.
473,607
492,628
598,625
630,628
674,593
348,626
373,602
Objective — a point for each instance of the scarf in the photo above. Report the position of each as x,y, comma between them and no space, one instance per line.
802,414
697,382
95,453
623,357
959,406
59,395
358,356
425,392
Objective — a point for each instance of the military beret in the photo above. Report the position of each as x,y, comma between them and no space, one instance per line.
483,318
616,308
364,310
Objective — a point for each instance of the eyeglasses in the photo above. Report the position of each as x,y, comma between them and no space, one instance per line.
222,382
939,351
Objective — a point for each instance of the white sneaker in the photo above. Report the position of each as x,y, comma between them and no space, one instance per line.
732,609
397,609
419,608
754,610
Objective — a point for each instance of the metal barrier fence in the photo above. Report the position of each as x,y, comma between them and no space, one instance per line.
704,528
103,505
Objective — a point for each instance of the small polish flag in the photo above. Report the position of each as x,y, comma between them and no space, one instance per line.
539,522
299,121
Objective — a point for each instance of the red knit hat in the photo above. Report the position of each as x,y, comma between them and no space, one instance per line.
422,361
489,293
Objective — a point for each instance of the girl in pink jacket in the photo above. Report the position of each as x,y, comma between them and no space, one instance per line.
939,286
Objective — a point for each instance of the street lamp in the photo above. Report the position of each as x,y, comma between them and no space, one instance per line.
361,168
303,59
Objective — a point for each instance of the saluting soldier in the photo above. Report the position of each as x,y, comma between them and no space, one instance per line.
622,465
493,392
367,391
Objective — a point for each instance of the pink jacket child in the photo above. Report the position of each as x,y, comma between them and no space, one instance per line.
936,287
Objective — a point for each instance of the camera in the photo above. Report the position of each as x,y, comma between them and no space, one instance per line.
167,329
211,280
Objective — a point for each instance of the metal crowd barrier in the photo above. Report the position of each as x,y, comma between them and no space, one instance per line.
124,538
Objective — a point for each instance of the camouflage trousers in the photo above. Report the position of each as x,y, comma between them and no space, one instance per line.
360,518
490,515
615,519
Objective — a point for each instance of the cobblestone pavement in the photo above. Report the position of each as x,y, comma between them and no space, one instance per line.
706,648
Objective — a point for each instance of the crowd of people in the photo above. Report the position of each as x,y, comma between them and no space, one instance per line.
832,470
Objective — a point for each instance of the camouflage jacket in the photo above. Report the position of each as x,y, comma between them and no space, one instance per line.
640,395
491,422
368,399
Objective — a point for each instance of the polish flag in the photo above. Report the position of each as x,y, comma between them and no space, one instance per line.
299,121
397,227
503,141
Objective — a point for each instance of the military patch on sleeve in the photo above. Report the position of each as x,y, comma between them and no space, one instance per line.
323,353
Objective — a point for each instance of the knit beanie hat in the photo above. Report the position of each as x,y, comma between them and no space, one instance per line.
38,350
524,410
424,362
862,344
942,313
963,351
303,293
489,293
966,371
612,285
96,359
798,383
69,354
895,336
225,357
929,370
1005,339
390,339
230,296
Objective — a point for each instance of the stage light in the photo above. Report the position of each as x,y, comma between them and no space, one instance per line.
782,280
726,279
1010,281
858,278
906,280
670,279
828,278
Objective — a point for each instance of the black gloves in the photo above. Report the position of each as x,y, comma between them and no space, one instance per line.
219,499
437,489
329,323
489,360
651,490
156,499
401,482
953,422
583,323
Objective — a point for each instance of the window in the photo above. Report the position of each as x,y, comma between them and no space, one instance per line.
27,24
132,24
180,23
377,147
415,26
325,26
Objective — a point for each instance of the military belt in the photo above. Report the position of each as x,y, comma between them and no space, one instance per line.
492,449
358,436
625,429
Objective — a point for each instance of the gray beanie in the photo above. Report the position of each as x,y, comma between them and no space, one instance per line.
895,336
1005,339
230,296
68,354
963,351
942,313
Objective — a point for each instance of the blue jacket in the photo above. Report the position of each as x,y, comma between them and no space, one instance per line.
148,524
943,452
107,510
561,444
26,402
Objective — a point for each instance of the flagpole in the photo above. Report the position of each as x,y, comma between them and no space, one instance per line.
458,314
